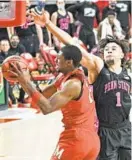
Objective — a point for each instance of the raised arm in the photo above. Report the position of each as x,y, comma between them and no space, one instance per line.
93,63
74,7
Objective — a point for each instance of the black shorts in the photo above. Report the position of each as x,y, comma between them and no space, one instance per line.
115,142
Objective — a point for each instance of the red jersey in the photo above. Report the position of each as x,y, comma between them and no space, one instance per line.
80,112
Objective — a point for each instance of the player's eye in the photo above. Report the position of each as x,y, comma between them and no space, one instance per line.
106,49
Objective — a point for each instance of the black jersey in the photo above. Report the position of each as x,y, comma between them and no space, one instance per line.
106,10
112,96
63,22
124,11
23,31
86,13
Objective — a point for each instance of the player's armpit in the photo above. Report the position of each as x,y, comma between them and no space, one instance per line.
93,63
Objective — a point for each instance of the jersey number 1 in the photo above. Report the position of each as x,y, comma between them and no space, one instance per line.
118,96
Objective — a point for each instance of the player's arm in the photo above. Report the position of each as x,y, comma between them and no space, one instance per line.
10,31
71,17
97,14
39,33
49,91
72,26
74,7
71,90
54,21
93,63
49,33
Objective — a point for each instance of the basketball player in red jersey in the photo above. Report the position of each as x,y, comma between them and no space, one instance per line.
79,140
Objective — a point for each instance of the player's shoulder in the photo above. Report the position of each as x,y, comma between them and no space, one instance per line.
54,14
69,13
71,87
73,83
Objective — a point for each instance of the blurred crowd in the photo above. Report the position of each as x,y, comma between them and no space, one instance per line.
85,20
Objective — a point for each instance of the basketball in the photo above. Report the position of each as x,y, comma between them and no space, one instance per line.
6,67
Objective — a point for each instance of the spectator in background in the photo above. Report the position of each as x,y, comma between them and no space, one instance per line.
16,47
124,12
5,46
123,9
130,38
30,34
43,34
28,38
110,26
110,7
86,12
62,19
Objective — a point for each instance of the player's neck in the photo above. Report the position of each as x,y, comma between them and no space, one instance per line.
116,68
62,12
68,71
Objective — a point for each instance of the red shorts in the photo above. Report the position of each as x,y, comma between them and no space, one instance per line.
77,144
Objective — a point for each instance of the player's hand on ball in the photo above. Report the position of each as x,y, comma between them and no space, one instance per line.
22,75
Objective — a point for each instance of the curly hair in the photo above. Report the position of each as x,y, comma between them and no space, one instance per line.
124,44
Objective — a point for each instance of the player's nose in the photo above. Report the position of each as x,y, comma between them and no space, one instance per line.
109,52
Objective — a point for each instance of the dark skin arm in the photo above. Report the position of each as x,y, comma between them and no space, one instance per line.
49,91
70,90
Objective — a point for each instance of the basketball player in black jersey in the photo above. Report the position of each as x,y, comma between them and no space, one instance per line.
62,19
112,87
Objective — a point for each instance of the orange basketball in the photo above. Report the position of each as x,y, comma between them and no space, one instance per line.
6,67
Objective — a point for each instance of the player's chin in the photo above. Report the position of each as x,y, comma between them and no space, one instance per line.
109,61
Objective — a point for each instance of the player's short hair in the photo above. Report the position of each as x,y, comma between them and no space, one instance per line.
71,52
4,40
111,13
109,39
14,35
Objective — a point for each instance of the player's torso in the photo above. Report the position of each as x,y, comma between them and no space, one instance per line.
86,14
63,22
112,96
80,112
122,16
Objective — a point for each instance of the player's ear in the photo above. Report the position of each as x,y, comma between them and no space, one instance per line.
69,62
122,55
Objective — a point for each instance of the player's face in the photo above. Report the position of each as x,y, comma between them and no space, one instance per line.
111,19
63,65
14,40
4,46
112,53
60,3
